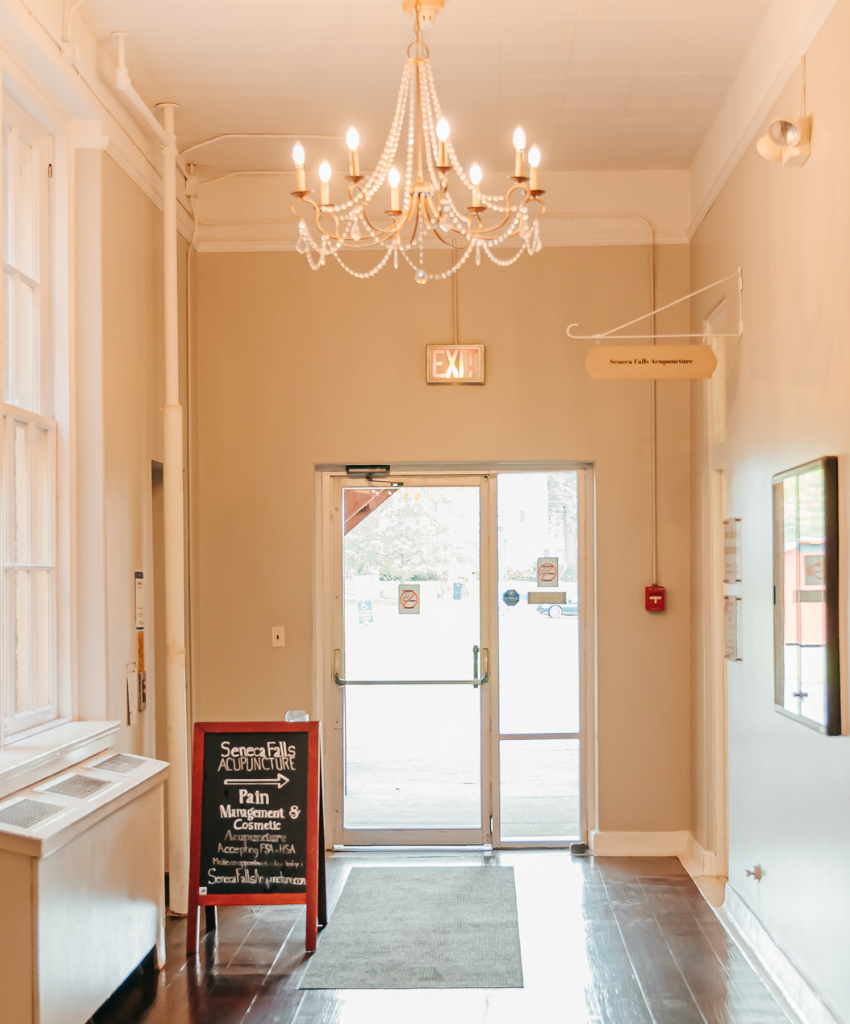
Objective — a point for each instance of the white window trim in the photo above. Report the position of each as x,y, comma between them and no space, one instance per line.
55,308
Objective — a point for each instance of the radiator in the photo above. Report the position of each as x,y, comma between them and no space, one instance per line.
81,887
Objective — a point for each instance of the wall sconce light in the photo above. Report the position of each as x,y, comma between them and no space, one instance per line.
787,141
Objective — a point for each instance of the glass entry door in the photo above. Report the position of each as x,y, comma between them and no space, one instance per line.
412,660
454,703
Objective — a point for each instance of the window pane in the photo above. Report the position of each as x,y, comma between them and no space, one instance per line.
21,532
538,643
26,348
42,497
539,789
8,218
25,208
416,541
21,642
42,639
412,757
9,339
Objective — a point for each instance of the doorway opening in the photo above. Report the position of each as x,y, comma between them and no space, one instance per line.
456,685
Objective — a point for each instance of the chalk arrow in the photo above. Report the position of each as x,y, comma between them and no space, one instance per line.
280,782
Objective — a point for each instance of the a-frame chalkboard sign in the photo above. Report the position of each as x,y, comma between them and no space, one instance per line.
257,834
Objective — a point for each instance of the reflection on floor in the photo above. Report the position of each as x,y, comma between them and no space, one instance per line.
607,941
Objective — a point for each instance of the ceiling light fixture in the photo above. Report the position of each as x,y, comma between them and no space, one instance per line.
422,213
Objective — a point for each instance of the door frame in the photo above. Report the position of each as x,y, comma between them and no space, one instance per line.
329,711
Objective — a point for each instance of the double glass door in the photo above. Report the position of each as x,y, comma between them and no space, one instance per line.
455,694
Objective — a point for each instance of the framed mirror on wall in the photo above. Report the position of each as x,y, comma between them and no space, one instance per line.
805,595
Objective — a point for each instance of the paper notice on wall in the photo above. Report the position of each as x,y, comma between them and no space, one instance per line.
140,600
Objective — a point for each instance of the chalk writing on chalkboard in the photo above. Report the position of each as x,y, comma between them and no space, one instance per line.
253,817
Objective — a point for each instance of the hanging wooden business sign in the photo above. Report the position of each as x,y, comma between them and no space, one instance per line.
257,835
454,364
650,362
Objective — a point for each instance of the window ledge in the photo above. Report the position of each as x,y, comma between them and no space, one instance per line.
29,760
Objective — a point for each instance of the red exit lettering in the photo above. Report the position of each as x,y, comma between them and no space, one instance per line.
453,363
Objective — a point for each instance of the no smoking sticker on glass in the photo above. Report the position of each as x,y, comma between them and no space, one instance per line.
408,598
547,572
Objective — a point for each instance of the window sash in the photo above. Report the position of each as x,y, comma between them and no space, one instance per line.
28,578
29,585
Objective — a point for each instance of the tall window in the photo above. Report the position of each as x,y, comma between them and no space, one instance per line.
29,505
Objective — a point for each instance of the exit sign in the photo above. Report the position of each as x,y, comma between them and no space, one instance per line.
454,364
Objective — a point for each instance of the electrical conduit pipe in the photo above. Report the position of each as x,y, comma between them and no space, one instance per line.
178,744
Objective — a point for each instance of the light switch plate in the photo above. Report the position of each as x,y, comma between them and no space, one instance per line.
277,636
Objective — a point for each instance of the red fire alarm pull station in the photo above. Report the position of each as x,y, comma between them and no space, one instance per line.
655,599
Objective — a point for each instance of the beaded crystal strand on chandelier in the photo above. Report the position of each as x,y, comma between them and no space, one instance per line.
418,211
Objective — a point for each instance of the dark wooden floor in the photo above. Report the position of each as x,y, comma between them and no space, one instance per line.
604,941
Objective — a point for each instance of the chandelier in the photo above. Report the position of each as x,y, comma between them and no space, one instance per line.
421,213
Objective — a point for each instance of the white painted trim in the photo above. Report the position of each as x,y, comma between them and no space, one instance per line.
786,32
27,761
81,95
771,962
696,860
587,649
639,844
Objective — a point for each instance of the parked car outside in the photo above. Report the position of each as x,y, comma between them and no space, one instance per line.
557,611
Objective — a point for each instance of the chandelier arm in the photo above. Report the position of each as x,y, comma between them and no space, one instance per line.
447,241
319,212
381,235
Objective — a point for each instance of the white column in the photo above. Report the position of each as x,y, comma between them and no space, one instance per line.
178,746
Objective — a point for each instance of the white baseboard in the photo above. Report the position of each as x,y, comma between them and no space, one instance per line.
639,844
696,860
778,972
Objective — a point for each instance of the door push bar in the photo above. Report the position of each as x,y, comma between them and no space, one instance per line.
475,681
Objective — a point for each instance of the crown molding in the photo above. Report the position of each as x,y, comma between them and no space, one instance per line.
786,32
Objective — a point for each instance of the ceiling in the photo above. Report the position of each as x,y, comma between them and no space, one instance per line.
598,84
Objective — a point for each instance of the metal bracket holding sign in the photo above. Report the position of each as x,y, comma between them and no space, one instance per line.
547,572
614,335
454,364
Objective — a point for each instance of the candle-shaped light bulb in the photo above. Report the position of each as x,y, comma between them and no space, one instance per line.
394,178
298,158
475,176
533,163
443,137
519,146
352,140
325,177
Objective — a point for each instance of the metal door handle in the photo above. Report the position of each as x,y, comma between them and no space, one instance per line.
410,682
475,681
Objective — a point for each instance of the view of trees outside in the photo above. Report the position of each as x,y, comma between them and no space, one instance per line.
538,516
418,534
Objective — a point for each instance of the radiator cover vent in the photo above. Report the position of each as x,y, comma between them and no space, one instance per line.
80,786
27,813
120,763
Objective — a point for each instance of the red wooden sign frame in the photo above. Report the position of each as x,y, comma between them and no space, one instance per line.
315,896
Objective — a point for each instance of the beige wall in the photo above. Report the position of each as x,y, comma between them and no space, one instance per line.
293,368
787,392
120,394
